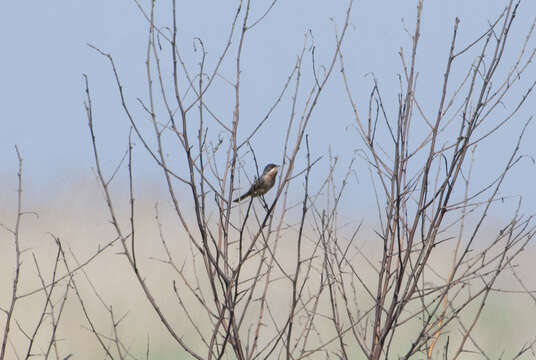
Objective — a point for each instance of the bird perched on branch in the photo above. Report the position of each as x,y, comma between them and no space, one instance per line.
262,184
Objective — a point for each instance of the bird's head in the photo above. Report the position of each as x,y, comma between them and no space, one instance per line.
271,169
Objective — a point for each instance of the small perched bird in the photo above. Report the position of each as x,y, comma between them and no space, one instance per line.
262,184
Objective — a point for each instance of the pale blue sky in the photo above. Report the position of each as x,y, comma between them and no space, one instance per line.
45,54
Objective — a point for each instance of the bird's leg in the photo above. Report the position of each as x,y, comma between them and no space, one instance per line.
264,203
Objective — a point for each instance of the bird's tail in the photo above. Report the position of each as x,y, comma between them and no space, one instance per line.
242,197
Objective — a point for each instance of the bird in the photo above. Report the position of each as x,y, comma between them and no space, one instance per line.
262,184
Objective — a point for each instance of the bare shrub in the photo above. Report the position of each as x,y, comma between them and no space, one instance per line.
282,278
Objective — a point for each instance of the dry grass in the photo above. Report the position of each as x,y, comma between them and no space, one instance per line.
75,214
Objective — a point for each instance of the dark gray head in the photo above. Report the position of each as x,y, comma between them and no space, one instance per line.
268,168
